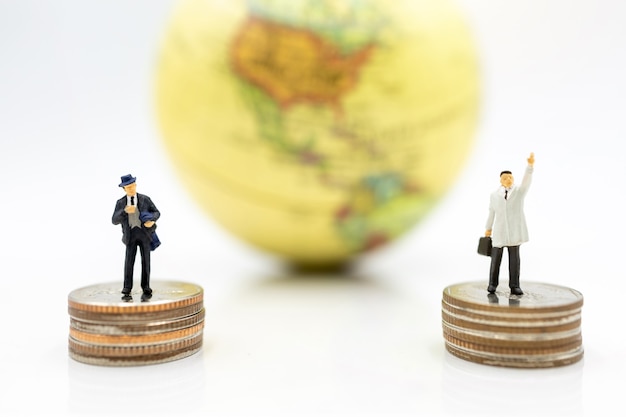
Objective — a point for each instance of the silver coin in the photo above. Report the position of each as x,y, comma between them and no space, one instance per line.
537,298
134,316
510,325
510,314
151,359
539,339
136,327
518,361
107,297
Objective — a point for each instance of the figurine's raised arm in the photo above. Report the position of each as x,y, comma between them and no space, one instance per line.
528,174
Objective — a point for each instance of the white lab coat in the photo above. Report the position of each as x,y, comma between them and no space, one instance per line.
506,217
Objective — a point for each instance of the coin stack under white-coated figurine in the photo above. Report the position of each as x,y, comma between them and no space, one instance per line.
539,329
104,330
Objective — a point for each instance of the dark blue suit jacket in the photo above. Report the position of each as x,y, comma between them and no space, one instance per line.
147,211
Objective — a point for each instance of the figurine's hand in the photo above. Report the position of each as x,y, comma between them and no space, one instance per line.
487,233
531,159
149,224
130,209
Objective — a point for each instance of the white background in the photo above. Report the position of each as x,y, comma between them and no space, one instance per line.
76,113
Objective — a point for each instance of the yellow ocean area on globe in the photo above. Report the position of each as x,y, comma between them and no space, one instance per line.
317,130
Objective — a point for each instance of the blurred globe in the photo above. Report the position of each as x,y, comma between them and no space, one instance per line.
317,129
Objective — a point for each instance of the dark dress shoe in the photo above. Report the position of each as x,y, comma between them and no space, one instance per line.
126,291
517,291
491,289
146,296
127,297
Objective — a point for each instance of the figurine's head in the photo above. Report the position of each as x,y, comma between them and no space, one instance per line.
129,185
506,179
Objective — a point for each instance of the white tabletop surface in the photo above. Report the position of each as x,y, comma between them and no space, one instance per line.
76,103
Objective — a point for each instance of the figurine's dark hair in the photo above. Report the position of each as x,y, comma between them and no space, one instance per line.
505,172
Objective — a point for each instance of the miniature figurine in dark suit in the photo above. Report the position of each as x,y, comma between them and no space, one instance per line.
506,216
137,214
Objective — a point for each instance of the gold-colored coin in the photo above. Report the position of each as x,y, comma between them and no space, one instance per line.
135,339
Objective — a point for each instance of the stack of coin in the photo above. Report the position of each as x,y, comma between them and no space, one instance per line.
539,329
105,330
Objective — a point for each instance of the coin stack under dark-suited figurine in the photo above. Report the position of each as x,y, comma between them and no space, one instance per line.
537,327
166,322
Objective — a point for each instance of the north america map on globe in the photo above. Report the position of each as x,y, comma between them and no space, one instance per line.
283,66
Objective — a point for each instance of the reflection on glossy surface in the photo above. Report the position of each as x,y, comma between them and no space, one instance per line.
318,343
484,390
174,388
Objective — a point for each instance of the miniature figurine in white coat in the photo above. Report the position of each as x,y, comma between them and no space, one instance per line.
506,220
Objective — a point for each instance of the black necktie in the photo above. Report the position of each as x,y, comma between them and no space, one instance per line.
132,200
506,193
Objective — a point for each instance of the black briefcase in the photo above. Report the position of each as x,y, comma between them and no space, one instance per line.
484,246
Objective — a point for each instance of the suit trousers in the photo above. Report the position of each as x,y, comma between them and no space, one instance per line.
139,238
514,266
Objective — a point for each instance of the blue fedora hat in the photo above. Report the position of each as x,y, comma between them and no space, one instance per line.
127,180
